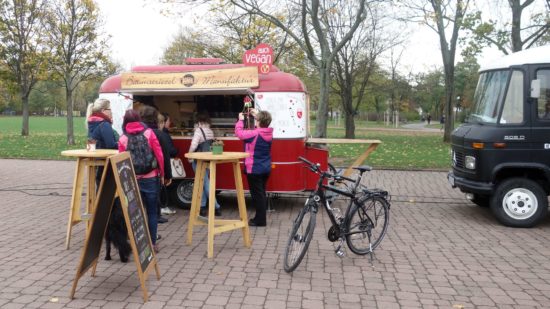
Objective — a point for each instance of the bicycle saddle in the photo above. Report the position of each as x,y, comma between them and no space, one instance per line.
362,168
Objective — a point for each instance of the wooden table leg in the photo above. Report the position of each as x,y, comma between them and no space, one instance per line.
91,194
211,206
195,200
74,213
360,160
241,203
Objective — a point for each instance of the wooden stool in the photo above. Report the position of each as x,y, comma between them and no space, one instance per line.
216,226
86,160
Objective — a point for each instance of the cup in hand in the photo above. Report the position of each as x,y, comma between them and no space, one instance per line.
90,145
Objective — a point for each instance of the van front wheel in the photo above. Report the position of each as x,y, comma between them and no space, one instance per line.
519,202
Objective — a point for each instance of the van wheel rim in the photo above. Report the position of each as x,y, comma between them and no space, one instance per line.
520,204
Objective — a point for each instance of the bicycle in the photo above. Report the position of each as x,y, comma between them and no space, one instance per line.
363,226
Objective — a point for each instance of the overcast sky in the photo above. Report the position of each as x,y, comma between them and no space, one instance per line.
139,34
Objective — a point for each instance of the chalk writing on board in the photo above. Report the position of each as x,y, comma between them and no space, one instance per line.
135,213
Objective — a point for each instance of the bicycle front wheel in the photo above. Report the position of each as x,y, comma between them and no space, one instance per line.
367,224
300,237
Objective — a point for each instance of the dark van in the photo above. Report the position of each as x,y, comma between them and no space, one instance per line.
501,155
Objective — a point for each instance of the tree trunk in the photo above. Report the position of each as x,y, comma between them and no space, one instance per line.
322,108
517,44
449,99
70,125
350,126
347,105
25,103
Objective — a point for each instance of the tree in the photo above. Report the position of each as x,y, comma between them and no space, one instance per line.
77,48
21,48
308,24
236,33
466,77
357,60
444,17
429,91
510,34
186,44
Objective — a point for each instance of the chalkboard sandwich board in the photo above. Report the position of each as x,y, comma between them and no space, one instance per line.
119,177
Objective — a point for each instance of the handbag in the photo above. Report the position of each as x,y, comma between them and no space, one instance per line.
204,146
177,168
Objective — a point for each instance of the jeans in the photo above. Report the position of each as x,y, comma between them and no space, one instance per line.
149,191
206,191
256,184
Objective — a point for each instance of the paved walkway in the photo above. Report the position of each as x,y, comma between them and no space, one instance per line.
441,252
420,126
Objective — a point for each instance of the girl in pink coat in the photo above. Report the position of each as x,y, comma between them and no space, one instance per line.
148,182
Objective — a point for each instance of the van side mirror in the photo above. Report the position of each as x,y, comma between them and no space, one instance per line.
535,88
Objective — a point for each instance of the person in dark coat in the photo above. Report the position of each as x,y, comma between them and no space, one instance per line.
99,121
150,116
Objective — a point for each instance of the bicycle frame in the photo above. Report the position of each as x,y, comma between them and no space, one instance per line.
319,196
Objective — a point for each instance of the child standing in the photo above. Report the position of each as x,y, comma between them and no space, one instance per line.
257,143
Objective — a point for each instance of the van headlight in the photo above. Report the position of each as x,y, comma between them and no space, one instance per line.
470,162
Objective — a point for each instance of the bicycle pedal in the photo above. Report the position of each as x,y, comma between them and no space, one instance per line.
340,253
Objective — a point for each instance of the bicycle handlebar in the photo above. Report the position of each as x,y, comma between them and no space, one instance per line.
316,168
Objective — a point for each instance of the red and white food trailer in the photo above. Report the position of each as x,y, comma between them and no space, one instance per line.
208,85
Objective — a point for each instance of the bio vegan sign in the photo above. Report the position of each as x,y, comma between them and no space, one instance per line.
261,57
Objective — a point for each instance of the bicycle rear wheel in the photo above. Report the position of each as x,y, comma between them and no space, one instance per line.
367,224
300,237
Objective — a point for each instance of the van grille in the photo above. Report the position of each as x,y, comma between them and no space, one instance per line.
458,159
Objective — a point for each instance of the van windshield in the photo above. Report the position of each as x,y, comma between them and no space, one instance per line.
489,95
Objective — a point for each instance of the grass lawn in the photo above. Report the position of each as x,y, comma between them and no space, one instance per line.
46,140
399,149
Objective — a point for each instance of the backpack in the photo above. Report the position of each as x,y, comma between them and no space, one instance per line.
204,146
142,155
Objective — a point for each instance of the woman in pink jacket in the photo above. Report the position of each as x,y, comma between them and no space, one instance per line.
148,172
257,143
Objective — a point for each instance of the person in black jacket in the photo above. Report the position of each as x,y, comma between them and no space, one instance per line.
150,116
165,123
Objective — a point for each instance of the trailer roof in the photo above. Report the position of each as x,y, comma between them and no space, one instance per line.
274,81
534,55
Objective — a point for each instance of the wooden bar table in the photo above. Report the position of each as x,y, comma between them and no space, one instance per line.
85,160
373,144
216,226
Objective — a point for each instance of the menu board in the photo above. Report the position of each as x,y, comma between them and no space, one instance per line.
288,112
102,211
119,177
131,198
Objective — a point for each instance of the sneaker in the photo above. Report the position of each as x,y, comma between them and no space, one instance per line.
167,211
162,220
218,212
156,248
